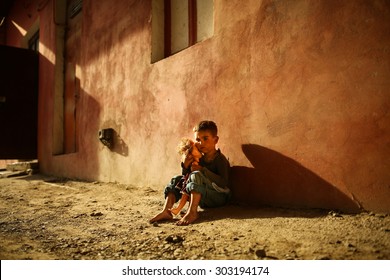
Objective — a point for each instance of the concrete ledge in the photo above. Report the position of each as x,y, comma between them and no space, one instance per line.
23,166
19,169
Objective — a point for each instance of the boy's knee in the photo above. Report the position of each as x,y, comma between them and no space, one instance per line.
196,182
195,177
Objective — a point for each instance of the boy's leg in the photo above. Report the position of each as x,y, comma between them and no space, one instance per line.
203,194
210,196
192,213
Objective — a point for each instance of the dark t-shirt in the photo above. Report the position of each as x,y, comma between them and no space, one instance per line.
216,171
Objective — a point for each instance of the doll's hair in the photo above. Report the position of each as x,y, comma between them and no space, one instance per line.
185,145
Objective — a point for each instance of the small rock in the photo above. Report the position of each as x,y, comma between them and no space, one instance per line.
260,253
96,214
79,215
174,239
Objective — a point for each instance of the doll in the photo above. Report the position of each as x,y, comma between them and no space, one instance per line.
186,146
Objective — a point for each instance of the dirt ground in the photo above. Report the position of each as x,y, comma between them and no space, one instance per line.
50,218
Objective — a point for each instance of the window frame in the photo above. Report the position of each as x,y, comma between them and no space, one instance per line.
176,26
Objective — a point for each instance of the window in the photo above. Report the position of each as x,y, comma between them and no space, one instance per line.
179,24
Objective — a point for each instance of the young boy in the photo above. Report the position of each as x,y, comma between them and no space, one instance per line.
208,182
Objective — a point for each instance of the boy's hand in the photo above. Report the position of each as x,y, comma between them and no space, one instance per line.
195,166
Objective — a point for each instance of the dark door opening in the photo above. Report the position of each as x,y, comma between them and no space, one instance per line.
18,103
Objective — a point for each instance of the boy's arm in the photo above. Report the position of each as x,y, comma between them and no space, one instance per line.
222,178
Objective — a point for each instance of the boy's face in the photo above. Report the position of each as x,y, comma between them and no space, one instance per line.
205,141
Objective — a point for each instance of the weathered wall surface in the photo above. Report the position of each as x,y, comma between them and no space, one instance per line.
299,89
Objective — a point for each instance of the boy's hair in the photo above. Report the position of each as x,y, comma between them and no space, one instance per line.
207,125
185,145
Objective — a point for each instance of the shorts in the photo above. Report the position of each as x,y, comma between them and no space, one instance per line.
199,183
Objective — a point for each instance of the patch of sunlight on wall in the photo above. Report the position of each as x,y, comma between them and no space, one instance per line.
47,53
22,31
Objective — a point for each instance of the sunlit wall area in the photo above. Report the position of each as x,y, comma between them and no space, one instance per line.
299,90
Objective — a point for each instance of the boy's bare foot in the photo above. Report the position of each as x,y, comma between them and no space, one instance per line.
188,218
163,215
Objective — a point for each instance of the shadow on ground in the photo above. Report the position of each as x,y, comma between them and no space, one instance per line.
277,180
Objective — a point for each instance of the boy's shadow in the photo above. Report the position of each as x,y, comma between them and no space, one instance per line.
277,180
282,183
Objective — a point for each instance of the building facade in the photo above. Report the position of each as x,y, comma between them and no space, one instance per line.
300,91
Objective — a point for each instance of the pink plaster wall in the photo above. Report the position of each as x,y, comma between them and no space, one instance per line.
299,90
21,16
